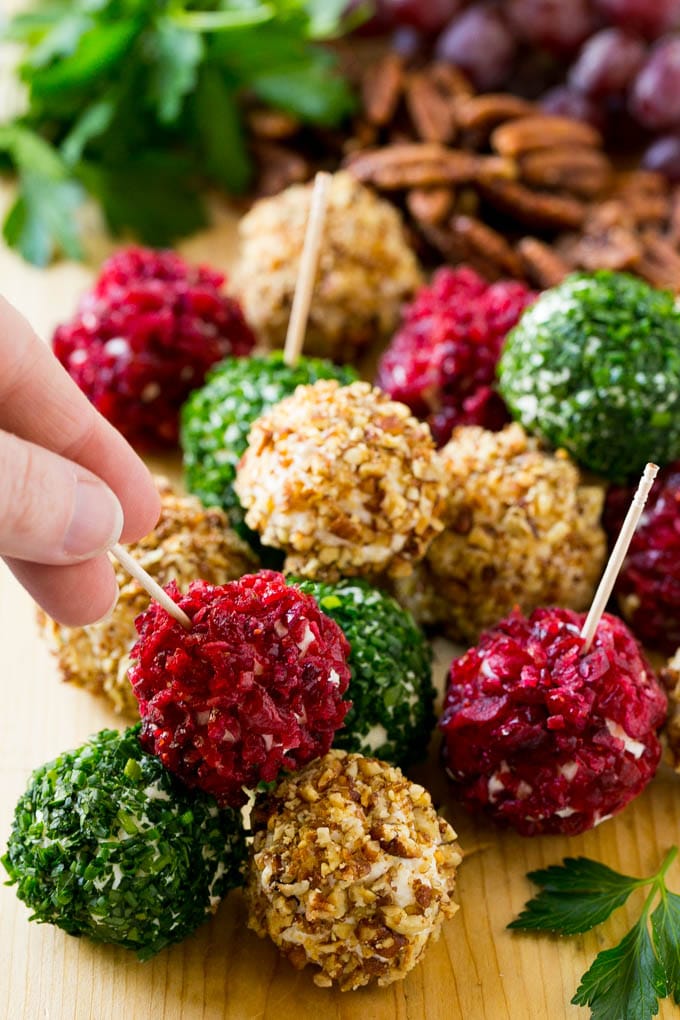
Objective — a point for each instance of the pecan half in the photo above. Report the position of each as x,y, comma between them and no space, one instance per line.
609,240
535,208
542,265
481,113
449,80
424,165
430,205
542,131
465,239
579,169
431,112
381,89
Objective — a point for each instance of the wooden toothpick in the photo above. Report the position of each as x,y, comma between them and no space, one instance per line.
618,554
152,587
309,261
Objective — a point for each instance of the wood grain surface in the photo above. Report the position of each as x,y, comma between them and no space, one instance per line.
477,970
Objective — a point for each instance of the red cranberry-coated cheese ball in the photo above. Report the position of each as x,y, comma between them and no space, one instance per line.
254,687
648,586
544,738
442,362
145,336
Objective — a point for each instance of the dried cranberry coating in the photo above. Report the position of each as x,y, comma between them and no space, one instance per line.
442,362
254,687
648,586
145,336
543,738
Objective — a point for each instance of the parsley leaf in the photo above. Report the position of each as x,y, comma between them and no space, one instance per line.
575,897
624,982
176,55
42,219
666,934
141,102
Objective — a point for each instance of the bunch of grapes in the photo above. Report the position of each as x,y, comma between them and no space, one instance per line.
615,63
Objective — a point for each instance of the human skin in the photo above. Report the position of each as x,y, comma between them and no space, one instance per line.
70,485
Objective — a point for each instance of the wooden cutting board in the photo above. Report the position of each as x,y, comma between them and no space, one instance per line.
477,970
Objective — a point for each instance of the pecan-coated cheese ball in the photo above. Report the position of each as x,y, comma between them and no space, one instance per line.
522,529
366,268
346,481
351,870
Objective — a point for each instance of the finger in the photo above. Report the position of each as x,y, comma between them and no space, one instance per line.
74,595
52,510
40,402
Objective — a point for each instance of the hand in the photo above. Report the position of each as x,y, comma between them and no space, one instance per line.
70,485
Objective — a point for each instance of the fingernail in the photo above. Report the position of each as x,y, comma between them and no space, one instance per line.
109,611
96,523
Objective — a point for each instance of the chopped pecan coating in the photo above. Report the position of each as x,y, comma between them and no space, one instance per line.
343,479
351,870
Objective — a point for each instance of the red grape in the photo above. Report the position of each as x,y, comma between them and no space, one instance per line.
427,15
480,42
558,25
663,155
649,17
655,98
565,102
607,63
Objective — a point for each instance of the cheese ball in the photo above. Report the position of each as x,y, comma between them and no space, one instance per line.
255,686
187,542
522,529
145,336
105,843
594,367
366,268
545,738
344,480
648,586
351,870
217,417
390,661
671,679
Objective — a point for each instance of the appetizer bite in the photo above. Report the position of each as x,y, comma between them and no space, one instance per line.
255,686
351,870
594,367
442,361
145,336
367,268
521,529
105,843
217,418
547,737
344,480
390,661
648,587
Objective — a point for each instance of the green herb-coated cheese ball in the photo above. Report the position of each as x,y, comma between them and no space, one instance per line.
594,366
216,420
390,660
105,843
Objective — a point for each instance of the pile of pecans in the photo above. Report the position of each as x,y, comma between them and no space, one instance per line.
490,180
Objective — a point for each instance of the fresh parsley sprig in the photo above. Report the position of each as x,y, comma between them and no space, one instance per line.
627,981
140,104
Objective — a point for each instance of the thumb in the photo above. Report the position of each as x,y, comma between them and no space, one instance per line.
52,511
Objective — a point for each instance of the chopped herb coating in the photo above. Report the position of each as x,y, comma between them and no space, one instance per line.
391,690
216,420
105,843
594,366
